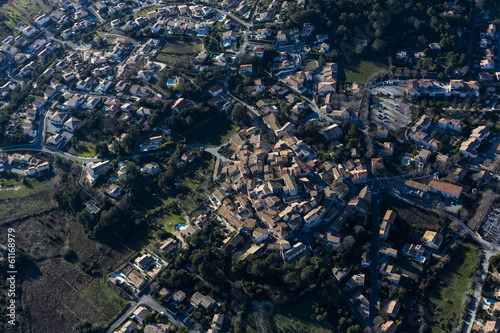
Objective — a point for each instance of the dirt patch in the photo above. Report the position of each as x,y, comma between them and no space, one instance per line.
33,205
413,215
59,295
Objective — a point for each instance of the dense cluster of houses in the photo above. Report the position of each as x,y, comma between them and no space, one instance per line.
433,88
24,164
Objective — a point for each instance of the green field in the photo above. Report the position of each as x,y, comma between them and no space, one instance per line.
144,11
212,132
12,188
173,221
83,149
446,295
359,70
311,64
177,52
19,11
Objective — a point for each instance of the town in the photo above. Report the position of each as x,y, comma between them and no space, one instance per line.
251,166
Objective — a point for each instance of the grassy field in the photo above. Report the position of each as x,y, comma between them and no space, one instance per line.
60,295
213,132
18,12
359,70
446,294
12,188
84,149
176,53
173,221
144,11
311,64
296,317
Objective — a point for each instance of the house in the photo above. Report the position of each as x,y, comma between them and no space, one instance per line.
389,327
152,168
229,36
297,250
144,261
246,69
156,328
469,147
492,326
331,132
114,191
357,280
259,51
259,86
187,158
387,222
168,246
432,239
325,88
42,19
290,185
281,36
92,102
215,90
144,112
340,272
218,322
423,156
29,31
71,124
179,296
445,189
55,139
128,327
387,251
140,313
9,49
95,169
140,91
480,133
392,308
58,118
179,104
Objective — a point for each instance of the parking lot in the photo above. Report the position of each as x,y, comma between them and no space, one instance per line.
389,113
389,88
491,226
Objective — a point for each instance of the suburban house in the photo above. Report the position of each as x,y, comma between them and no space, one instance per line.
432,239
179,104
445,189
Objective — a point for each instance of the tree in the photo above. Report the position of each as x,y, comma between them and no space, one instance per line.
495,262
379,46
379,171
240,114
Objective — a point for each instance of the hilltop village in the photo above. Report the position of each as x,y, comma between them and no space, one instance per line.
251,166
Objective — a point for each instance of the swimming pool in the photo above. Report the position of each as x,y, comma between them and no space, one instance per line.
182,225
170,82
113,179
420,259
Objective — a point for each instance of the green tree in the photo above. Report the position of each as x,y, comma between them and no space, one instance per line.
240,114
379,171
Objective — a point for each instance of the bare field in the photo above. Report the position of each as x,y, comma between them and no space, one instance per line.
59,295
17,208
412,215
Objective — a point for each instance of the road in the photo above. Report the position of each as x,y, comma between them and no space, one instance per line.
76,47
375,246
131,40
